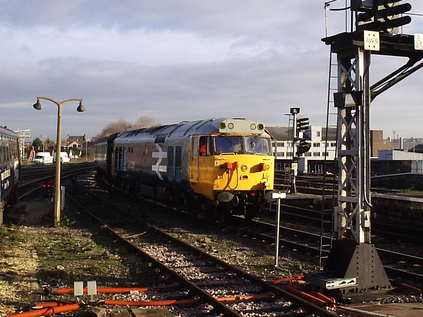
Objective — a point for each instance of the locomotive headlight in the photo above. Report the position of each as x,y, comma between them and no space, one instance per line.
264,166
244,168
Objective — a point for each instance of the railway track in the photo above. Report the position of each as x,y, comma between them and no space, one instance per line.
29,172
396,217
314,215
319,184
35,177
397,264
207,285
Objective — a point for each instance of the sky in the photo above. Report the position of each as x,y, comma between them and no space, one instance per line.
176,60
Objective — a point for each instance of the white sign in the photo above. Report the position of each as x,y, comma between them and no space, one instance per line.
92,287
278,195
5,174
418,42
341,283
78,288
371,41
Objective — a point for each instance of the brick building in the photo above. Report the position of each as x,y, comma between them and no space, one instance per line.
377,143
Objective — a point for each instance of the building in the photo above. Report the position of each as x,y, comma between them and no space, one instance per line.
22,136
378,143
74,145
395,155
322,155
312,161
406,144
397,162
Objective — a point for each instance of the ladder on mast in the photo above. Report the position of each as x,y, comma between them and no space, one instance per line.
326,220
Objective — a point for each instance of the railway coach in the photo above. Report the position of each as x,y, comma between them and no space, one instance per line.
9,166
216,165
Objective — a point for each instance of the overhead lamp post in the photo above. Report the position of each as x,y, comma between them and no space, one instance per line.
37,106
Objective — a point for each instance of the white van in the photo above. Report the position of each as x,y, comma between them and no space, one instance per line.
64,157
43,158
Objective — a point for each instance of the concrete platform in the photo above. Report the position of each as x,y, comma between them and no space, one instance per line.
397,310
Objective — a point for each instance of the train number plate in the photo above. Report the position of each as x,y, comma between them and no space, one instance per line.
371,41
5,174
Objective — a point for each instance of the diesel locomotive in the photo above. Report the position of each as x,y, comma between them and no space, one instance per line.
9,166
219,165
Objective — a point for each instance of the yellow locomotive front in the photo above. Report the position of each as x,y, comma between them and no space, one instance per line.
233,168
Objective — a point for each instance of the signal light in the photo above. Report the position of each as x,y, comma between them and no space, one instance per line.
303,147
380,15
302,124
361,5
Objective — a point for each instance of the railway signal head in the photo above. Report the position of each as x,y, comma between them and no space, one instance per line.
303,147
302,124
294,110
381,15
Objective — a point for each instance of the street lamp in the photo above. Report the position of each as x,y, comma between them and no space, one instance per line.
81,108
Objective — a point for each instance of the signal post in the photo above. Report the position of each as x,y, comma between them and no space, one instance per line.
353,266
299,144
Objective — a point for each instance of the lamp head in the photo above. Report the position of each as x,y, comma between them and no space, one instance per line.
81,107
37,105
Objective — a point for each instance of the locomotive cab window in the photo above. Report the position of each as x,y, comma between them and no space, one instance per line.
257,145
242,145
205,148
228,145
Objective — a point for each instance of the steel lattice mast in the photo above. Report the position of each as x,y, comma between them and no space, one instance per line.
353,260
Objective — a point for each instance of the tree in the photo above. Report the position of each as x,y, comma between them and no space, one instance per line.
49,145
37,143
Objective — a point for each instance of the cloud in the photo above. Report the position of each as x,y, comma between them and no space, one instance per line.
262,88
176,60
252,88
235,17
